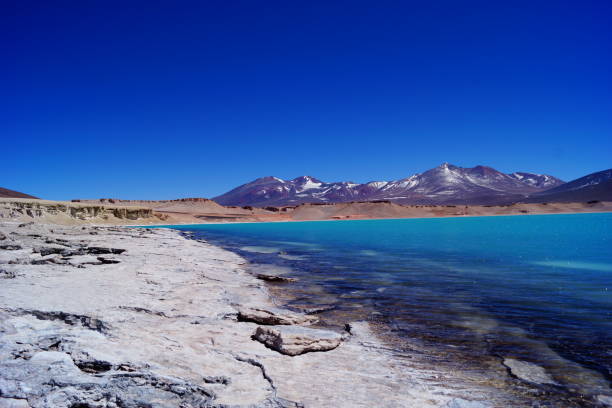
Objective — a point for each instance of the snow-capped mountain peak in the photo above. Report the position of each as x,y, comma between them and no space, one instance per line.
444,184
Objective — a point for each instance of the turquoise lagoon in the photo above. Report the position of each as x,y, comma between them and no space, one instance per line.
536,288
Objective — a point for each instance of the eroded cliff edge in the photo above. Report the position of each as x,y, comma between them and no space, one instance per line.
69,213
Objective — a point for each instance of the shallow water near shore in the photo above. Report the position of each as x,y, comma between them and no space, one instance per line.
531,288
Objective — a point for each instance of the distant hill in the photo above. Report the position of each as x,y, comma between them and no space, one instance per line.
595,186
6,193
445,184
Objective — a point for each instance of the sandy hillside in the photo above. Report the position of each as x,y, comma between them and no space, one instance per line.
390,210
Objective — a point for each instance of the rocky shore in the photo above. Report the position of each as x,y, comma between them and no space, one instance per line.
129,317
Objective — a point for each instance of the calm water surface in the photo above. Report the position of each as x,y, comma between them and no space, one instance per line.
536,288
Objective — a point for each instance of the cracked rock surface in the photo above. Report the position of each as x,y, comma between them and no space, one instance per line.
158,327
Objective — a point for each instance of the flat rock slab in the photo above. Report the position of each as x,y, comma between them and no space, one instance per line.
528,372
48,250
296,340
13,403
83,260
273,316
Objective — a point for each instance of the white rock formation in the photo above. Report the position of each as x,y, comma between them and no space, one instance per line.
158,327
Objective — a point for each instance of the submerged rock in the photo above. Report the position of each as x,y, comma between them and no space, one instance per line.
274,278
273,316
308,309
296,340
528,372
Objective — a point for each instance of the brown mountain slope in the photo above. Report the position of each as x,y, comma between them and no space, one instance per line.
373,210
596,192
6,193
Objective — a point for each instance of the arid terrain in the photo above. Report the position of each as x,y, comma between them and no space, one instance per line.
201,210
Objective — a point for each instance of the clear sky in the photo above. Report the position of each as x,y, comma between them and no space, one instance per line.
168,99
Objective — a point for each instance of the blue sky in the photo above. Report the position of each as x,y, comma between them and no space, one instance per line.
164,99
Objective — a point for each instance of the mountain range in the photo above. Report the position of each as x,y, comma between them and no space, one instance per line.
443,185
595,186
446,184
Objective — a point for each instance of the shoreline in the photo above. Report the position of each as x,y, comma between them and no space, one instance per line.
449,360
359,219
163,314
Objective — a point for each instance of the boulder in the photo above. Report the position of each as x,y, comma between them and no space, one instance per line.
296,340
273,316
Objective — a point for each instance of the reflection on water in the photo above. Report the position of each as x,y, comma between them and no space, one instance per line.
292,257
533,288
577,265
270,269
368,252
260,249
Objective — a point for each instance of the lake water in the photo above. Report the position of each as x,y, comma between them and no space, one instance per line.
533,288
